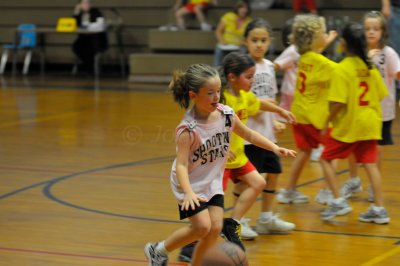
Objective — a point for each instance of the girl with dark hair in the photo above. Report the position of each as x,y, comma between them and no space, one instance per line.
356,116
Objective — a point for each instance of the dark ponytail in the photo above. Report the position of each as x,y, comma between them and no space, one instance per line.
356,43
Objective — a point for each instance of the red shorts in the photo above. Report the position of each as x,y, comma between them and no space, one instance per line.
307,136
190,7
365,151
298,4
234,173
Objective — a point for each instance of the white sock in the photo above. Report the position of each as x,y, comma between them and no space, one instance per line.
264,216
160,248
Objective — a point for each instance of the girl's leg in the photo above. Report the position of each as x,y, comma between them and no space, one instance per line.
376,213
200,225
290,195
179,16
268,222
339,205
297,167
374,176
255,184
216,215
353,184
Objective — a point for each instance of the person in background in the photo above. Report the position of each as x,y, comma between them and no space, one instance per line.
387,61
230,29
196,7
310,104
86,46
356,117
258,36
299,4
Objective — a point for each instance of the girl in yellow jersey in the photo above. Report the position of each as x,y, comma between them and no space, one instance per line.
238,70
355,113
310,104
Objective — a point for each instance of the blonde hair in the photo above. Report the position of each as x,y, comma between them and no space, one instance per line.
304,31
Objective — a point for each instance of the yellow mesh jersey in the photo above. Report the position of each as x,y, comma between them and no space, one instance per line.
361,90
310,104
245,105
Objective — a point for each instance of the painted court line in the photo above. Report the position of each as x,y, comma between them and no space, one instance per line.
62,254
382,257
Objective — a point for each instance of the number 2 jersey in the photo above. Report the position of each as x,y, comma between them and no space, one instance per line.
362,90
310,104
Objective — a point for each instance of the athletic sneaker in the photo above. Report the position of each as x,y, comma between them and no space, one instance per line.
246,231
324,196
274,225
373,216
292,196
155,258
231,231
205,27
335,209
351,186
371,196
186,252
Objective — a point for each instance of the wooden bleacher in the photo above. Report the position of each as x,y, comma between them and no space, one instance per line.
151,52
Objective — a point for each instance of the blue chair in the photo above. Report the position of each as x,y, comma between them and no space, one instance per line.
25,41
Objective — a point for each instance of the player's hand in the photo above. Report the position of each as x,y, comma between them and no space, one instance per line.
373,52
279,127
285,152
191,200
289,116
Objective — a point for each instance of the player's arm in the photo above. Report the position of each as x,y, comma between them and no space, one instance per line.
259,140
182,172
271,106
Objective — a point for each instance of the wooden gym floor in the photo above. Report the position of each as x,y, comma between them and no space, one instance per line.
84,180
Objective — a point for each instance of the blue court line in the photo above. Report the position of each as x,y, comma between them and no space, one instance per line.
50,183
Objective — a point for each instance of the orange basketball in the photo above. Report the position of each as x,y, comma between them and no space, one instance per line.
225,254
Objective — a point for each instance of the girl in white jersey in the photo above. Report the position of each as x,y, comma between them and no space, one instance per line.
202,142
387,61
257,40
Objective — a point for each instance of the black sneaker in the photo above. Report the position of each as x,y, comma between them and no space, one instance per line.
186,253
231,231
154,257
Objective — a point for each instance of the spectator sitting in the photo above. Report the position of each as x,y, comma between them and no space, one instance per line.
197,7
230,29
86,46
310,5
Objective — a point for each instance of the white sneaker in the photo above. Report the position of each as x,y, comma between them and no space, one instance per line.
335,209
292,196
351,186
373,216
274,226
324,196
316,153
206,27
246,231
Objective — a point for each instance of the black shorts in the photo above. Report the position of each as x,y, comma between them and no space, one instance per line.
386,133
217,200
265,161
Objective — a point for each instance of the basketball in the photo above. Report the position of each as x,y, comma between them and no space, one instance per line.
225,254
